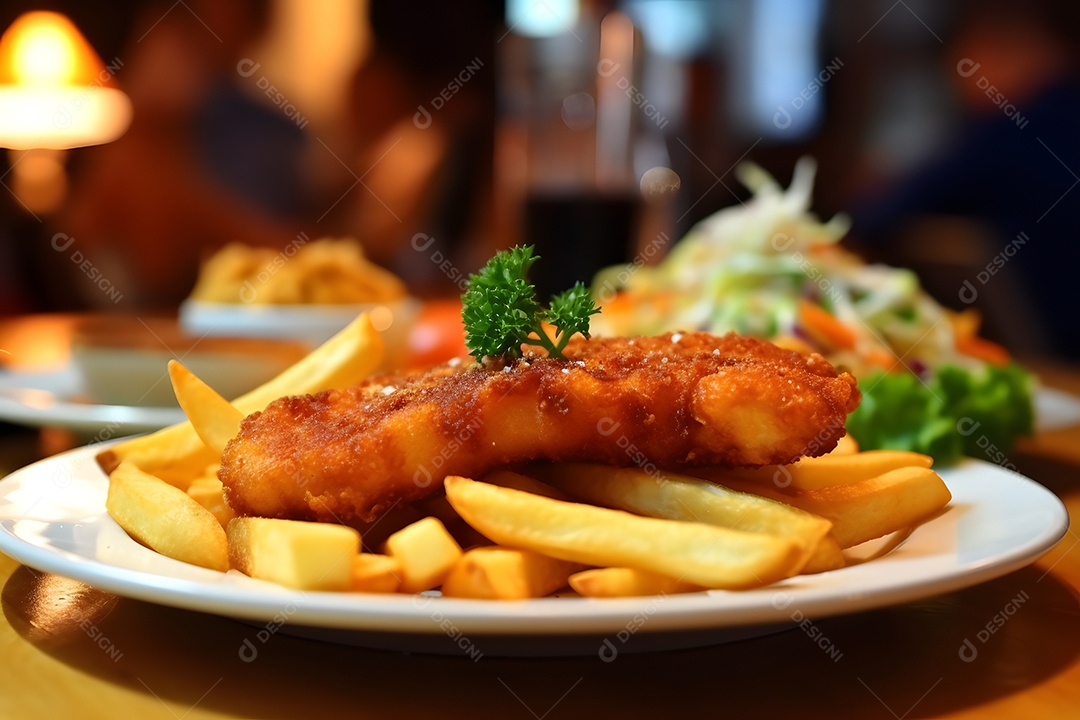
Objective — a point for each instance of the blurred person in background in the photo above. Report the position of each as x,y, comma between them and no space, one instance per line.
205,161
1008,171
410,176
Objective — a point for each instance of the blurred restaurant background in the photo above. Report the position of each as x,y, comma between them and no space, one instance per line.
437,132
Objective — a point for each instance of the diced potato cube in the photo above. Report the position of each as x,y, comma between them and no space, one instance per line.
627,582
426,552
375,573
297,554
500,573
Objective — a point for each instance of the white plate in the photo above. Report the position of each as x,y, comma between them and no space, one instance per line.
53,399
52,517
1055,409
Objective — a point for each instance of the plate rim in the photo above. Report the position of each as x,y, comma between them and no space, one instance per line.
426,615
86,417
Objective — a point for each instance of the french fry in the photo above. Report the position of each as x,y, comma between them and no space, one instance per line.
326,270
375,574
892,501
176,453
165,519
216,421
500,573
208,492
829,470
426,551
293,553
847,445
681,497
866,509
827,556
525,483
627,582
702,554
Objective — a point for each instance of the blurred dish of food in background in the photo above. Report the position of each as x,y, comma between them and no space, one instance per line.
307,292
121,360
770,268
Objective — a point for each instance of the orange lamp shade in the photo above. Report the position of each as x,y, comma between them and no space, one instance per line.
55,92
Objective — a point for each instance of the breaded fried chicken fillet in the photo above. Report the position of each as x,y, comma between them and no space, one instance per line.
693,398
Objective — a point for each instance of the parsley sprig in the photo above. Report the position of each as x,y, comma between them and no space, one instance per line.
501,313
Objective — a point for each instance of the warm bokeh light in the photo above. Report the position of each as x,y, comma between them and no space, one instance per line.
44,55
45,49
55,92
325,40
39,179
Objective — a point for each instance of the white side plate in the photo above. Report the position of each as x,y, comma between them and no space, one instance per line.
53,399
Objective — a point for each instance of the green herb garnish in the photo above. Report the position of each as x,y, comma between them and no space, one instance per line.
501,312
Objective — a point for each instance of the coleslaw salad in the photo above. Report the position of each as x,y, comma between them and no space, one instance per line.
771,269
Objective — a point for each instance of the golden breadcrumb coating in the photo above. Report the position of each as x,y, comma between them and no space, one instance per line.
677,399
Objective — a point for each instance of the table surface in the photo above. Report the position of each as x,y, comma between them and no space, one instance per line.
72,651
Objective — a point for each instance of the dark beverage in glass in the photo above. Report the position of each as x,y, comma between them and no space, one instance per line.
577,233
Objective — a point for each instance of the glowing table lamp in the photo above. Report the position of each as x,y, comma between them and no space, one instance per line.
55,92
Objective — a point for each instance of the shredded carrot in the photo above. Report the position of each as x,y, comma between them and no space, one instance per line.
620,303
966,323
820,323
965,327
883,359
977,347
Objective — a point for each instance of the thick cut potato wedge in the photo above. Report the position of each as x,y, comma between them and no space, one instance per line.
525,483
293,553
829,470
681,497
165,518
215,420
863,510
426,551
208,492
846,445
702,554
499,573
176,453
627,582
827,556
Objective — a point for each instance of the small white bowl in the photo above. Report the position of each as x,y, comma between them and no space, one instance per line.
124,361
309,324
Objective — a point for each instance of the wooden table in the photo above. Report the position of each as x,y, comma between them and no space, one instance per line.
72,651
